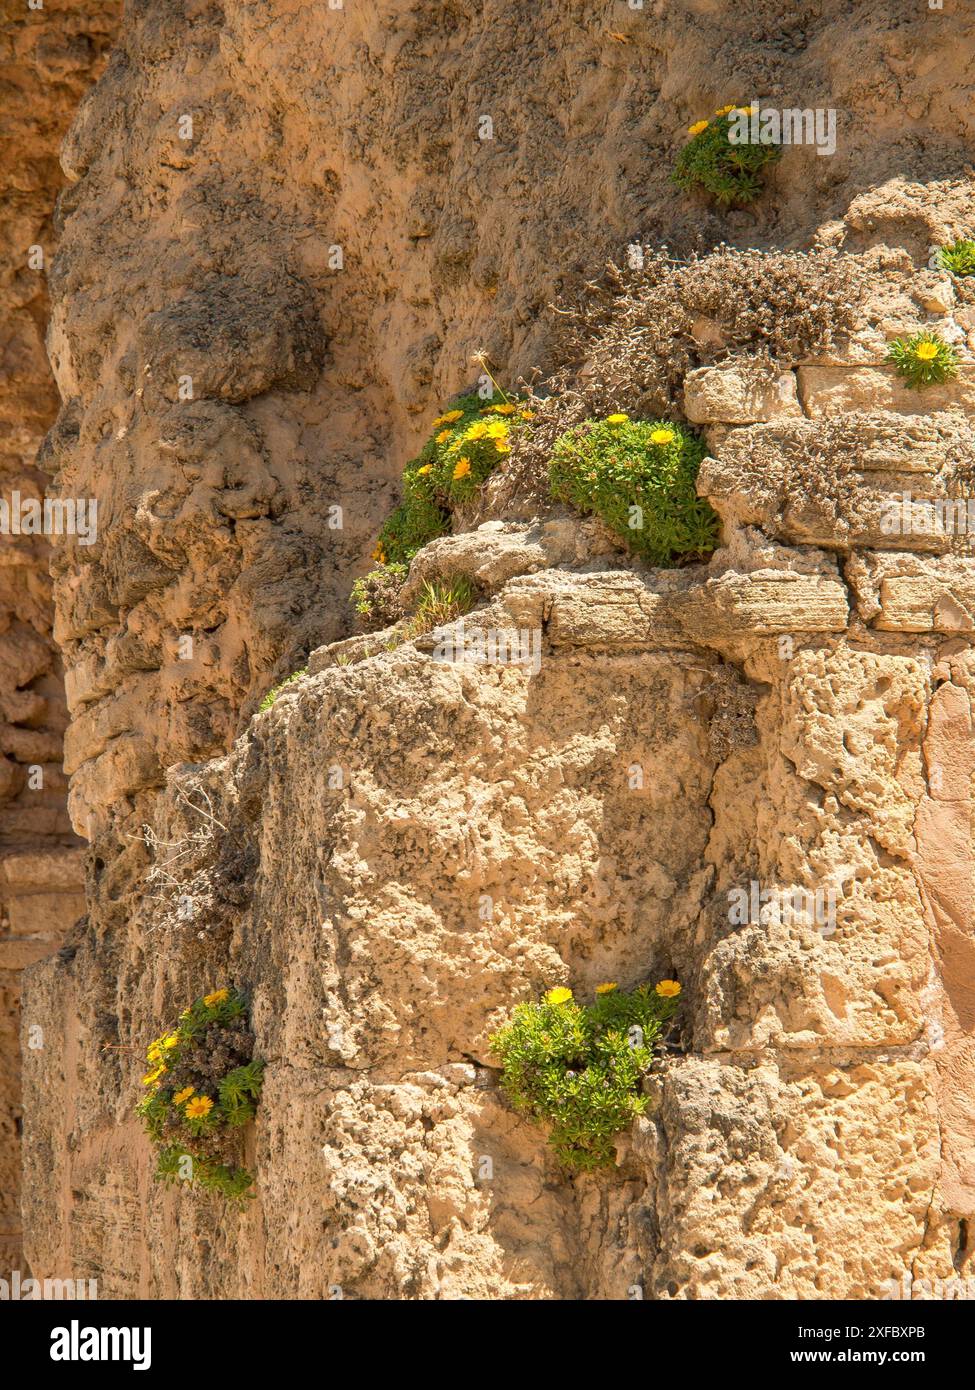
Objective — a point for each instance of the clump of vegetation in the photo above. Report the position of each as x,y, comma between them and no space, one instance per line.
203,1087
628,341
441,601
468,442
578,1067
923,360
275,690
959,257
376,596
639,476
729,169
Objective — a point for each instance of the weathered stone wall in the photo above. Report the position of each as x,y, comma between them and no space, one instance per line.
788,704
808,1137
47,58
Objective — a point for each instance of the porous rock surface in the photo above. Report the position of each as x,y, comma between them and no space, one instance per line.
48,57
401,848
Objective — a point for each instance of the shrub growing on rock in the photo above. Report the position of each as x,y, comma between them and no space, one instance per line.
923,360
639,476
579,1067
203,1086
730,172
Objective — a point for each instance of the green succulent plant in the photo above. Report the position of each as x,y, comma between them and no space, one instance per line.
958,258
923,360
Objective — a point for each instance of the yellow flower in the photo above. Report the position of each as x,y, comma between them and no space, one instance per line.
662,437
182,1095
560,995
527,414
618,419
502,448
927,352
379,554
153,1076
427,468
745,110
606,988
448,418
443,436
477,431
461,468
697,127
217,997
197,1109
724,110
498,410
668,989
497,430
171,1042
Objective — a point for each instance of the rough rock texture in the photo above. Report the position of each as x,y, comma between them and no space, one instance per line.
401,848
47,59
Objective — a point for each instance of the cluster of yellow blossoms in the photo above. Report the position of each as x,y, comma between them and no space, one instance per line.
667,989
157,1050
156,1056
698,126
661,436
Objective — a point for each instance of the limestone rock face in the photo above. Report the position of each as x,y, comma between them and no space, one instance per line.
284,242
48,57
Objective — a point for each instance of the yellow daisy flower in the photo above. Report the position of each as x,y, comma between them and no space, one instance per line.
152,1077
199,1108
527,414
461,468
217,997
606,988
926,352
618,419
501,447
477,431
668,989
499,409
662,437
448,418
560,995
497,430
697,127
427,468
724,110
443,436
379,554
182,1095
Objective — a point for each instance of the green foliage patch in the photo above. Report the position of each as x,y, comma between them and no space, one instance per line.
578,1067
639,476
204,1085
